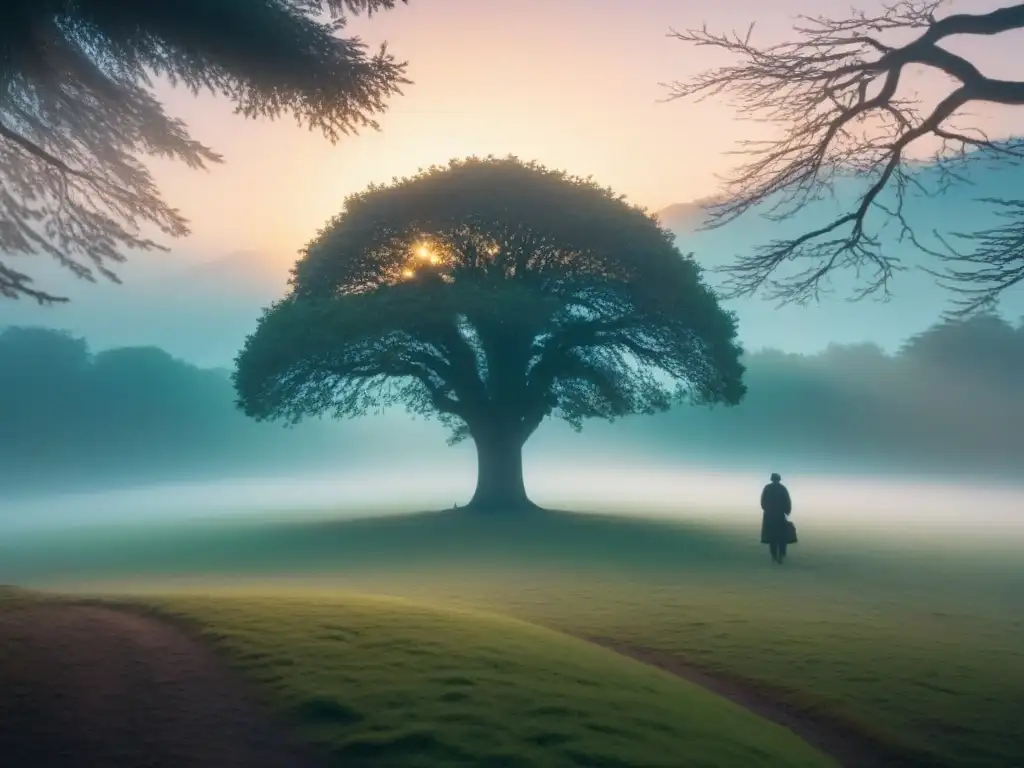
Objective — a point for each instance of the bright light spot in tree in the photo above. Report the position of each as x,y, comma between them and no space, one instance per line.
424,253
407,273
434,259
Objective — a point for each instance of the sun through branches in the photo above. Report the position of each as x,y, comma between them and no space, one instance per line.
491,294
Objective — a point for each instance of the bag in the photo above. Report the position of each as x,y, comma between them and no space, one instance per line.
790,533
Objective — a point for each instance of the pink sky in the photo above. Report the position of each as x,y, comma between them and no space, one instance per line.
571,83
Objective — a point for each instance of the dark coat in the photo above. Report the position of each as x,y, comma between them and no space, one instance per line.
775,507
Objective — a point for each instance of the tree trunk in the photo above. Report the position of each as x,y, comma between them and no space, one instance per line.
499,479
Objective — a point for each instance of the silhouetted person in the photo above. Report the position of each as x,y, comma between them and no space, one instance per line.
776,506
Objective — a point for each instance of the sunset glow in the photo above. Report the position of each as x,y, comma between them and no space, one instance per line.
293,383
490,78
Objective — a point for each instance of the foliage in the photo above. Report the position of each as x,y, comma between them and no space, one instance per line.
123,414
836,92
77,109
491,291
902,635
947,400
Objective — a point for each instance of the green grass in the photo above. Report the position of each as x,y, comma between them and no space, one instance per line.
384,682
938,683
917,644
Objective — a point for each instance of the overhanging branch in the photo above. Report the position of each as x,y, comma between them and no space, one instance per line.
34,149
816,90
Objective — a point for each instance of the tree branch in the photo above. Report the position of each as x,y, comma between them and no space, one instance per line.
390,358
14,284
34,149
995,264
78,115
552,353
816,90
439,397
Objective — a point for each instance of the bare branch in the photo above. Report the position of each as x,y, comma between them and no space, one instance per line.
833,95
994,264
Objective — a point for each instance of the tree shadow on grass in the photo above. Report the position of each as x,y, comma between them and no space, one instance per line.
448,539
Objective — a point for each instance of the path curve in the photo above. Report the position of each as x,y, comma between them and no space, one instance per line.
91,686
843,744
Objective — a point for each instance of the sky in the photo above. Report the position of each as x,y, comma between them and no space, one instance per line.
574,84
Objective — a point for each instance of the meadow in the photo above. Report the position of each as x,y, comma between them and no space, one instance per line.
909,643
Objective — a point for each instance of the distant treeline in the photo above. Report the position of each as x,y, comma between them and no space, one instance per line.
70,418
948,400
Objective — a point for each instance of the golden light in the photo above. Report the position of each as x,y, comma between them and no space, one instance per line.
434,259
407,273
424,253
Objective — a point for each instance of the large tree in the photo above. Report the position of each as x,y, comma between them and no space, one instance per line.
491,293
837,93
77,109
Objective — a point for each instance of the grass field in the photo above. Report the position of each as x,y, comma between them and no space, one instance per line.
916,645
376,681
385,683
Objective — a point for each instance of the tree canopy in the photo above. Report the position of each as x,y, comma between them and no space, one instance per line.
838,95
491,293
74,418
77,109
947,401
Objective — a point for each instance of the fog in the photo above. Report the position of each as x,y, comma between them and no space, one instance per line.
897,508
200,306
154,435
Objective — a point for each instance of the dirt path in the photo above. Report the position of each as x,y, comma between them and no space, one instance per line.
844,745
84,686
88,687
